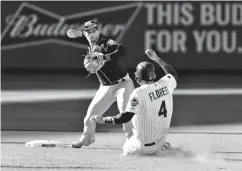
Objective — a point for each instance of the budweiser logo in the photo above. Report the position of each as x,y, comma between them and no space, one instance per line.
31,25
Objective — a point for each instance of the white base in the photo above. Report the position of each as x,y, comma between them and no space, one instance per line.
44,143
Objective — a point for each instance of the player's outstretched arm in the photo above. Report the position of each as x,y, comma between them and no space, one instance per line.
168,69
118,119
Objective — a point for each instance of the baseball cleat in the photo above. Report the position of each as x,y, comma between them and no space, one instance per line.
77,144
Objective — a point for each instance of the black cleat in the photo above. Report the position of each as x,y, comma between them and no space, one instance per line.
77,144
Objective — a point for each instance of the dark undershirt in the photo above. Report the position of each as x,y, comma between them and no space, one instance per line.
119,118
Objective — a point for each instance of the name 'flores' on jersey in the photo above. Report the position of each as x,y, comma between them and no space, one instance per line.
158,112
159,102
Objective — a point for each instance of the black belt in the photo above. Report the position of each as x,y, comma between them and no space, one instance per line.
115,82
150,144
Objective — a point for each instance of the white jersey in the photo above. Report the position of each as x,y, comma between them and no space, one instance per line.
153,107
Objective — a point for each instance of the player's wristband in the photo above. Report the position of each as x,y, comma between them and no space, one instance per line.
109,120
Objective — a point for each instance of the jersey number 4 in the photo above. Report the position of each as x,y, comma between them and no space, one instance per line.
163,110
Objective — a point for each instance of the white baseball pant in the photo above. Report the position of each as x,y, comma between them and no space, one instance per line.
103,99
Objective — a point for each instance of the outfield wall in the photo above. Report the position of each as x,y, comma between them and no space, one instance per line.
59,102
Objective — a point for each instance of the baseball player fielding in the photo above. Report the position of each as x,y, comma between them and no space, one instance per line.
104,59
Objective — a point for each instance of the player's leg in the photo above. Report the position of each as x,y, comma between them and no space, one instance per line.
102,100
150,150
132,146
122,95
167,149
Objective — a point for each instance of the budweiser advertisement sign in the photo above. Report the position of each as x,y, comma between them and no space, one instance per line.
188,35
31,25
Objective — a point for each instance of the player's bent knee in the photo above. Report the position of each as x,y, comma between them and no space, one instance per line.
87,120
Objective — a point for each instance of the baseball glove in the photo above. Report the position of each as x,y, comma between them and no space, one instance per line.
93,62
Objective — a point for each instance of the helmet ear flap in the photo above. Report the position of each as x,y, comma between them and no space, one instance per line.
136,74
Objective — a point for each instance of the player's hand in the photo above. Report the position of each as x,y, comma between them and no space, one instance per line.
71,33
151,54
98,119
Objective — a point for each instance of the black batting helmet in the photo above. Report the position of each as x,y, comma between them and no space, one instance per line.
145,71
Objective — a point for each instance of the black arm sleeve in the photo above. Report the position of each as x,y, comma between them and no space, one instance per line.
120,118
